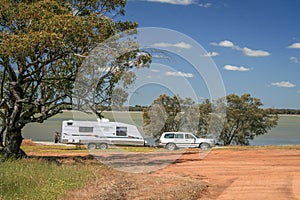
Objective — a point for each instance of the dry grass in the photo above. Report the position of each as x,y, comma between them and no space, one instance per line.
28,142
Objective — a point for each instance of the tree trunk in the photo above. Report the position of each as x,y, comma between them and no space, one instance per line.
13,141
1,141
1,137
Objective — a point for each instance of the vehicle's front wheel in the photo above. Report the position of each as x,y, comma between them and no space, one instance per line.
103,146
171,146
204,146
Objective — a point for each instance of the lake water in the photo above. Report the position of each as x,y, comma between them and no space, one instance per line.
287,131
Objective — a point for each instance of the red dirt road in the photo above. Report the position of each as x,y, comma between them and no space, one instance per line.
244,174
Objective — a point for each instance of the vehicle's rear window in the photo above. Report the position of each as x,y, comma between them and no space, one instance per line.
169,135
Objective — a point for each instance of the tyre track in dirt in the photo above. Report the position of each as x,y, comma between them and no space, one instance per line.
243,174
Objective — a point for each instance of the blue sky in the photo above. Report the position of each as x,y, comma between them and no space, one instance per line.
254,44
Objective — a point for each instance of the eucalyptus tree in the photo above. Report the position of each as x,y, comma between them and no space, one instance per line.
43,45
245,119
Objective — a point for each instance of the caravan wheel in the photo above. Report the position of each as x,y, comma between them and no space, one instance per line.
103,146
92,146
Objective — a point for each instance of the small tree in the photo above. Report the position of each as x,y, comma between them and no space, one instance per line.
245,120
204,119
170,114
161,116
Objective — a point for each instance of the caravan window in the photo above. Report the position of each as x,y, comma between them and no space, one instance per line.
105,128
86,129
121,131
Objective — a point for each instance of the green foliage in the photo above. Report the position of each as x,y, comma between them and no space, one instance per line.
204,119
32,179
43,46
283,111
40,46
170,114
243,120
161,116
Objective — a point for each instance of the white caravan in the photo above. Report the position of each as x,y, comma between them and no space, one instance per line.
100,134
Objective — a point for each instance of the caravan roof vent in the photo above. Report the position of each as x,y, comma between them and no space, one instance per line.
70,123
102,120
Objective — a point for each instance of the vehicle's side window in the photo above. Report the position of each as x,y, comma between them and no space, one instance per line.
179,136
189,136
169,135
121,131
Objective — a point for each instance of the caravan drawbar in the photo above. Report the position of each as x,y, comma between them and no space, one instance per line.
100,134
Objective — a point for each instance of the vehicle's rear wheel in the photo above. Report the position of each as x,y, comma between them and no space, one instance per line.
92,146
103,146
171,146
204,146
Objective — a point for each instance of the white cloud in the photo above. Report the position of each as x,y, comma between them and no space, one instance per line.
205,5
298,91
225,43
255,53
181,74
181,45
210,54
236,68
294,60
285,84
246,51
175,2
180,2
294,46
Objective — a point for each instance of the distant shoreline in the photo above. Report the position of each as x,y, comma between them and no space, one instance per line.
288,115
283,115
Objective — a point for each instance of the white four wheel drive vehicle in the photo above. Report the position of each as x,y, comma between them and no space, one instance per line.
174,140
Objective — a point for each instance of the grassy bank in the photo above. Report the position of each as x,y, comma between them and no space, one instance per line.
39,179
31,147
